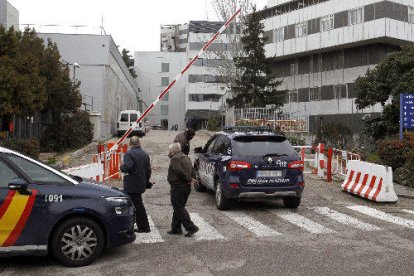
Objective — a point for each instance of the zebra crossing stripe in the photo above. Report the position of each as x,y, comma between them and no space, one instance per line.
382,216
206,232
345,219
153,237
408,211
305,223
254,226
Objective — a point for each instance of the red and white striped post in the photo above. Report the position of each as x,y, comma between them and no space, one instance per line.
122,139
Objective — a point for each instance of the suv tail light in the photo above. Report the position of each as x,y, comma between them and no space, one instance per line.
235,166
296,165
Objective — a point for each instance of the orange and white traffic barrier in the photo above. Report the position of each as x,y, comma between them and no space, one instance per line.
111,160
370,181
308,157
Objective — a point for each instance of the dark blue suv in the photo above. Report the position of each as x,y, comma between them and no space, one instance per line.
240,163
43,210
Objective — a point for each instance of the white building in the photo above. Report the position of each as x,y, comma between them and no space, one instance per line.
9,15
199,94
107,86
155,71
320,47
206,89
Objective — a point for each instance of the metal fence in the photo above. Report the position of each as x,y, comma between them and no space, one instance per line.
297,122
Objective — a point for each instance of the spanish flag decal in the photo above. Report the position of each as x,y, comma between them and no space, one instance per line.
14,213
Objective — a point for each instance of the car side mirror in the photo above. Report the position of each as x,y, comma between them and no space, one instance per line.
198,150
19,185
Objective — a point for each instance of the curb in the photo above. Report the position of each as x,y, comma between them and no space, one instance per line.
67,159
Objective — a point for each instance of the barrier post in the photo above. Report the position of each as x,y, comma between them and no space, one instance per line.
321,160
329,165
303,155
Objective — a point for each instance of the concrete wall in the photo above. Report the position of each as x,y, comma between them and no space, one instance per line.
102,74
149,69
9,15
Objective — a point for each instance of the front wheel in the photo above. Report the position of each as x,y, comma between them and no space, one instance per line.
77,242
222,202
291,202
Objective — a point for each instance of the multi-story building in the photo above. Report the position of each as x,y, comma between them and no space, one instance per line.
206,88
155,71
320,47
9,15
174,38
201,92
107,86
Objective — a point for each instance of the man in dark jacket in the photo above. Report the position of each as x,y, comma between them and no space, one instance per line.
137,168
184,139
180,176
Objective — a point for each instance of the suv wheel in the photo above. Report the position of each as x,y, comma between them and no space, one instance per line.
222,202
77,242
291,202
199,187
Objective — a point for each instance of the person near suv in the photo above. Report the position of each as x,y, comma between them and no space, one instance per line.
137,167
181,177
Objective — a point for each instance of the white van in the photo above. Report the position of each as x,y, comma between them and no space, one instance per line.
126,119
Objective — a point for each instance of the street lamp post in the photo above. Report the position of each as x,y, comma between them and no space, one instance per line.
75,65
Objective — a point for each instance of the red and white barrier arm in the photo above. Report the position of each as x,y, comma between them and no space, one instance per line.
122,139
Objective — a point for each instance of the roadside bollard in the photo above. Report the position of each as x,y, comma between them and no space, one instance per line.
329,165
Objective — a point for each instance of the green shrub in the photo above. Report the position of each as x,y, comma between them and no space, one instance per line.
295,141
335,135
29,147
372,157
392,152
68,132
405,174
214,122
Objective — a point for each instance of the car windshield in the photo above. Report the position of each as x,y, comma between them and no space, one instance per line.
261,146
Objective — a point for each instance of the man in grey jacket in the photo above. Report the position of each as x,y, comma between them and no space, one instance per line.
184,139
180,176
137,168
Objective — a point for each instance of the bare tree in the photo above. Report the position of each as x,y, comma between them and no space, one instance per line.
224,10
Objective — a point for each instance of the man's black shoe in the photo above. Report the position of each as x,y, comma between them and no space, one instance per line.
191,232
142,230
171,232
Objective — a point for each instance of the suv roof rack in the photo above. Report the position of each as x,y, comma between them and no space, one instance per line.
256,129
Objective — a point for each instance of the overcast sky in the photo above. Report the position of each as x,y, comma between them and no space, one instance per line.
134,24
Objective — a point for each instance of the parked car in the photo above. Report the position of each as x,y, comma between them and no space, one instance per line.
125,121
43,211
239,163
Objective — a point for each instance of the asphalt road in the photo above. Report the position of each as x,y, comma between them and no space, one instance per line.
331,233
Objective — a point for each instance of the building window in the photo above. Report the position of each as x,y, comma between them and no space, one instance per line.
411,14
315,94
165,81
327,23
279,34
165,67
293,96
356,16
164,110
301,29
293,69
204,97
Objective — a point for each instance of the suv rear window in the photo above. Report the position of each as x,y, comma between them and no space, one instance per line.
261,145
